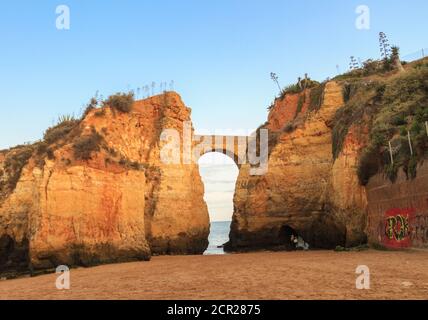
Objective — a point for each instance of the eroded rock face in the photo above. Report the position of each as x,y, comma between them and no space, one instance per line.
304,189
348,196
87,217
75,216
286,110
74,212
176,216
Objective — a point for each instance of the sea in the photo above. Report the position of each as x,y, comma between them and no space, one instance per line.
219,235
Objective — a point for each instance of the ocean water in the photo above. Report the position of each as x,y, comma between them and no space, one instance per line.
219,235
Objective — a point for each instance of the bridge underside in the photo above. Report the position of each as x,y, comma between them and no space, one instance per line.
234,147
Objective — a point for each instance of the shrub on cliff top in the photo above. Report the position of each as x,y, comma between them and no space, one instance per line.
64,126
120,101
92,105
83,147
299,87
390,108
14,162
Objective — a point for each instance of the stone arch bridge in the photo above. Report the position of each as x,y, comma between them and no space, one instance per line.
234,147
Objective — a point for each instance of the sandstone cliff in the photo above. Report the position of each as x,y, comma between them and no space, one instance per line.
96,191
120,204
305,189
346,165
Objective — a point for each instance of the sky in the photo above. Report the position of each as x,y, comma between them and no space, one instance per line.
219,54
219,181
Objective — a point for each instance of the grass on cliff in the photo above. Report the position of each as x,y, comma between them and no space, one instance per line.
300,104
65,131
60,131
14,163
121,102
316,98
390,107
369,68
84,146
298,87
68,130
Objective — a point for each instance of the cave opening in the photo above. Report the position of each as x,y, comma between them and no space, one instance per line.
219,174
285,236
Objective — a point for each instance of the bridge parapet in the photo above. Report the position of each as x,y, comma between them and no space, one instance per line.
233,146
187,148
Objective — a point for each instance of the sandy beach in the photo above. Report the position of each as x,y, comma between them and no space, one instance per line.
261,275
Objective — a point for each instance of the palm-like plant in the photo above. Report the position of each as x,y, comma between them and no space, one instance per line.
275,78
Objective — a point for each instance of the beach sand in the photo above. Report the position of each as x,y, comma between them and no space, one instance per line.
261,275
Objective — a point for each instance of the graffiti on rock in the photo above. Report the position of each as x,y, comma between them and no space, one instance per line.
398,225
419,232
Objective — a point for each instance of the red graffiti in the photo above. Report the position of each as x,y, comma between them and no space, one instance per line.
397,228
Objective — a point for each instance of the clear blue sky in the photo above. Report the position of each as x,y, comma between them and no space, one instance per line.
219,53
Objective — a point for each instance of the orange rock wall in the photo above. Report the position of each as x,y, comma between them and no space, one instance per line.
304,188
285,110
77,212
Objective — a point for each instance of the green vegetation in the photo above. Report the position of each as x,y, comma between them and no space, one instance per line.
65,131
316,97
298,87
316,94
372,67
67,128
84,146
14,162
120,101
390,107
290,89
64,126
362,247
289,127
115,157
18,157
369,68
359,106
379,247
133,165
300,104
100,112
92,105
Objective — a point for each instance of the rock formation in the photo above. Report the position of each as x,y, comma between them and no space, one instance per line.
95,190
121,204
332,166
305,189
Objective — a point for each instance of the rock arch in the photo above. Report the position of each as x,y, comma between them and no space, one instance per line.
234,147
